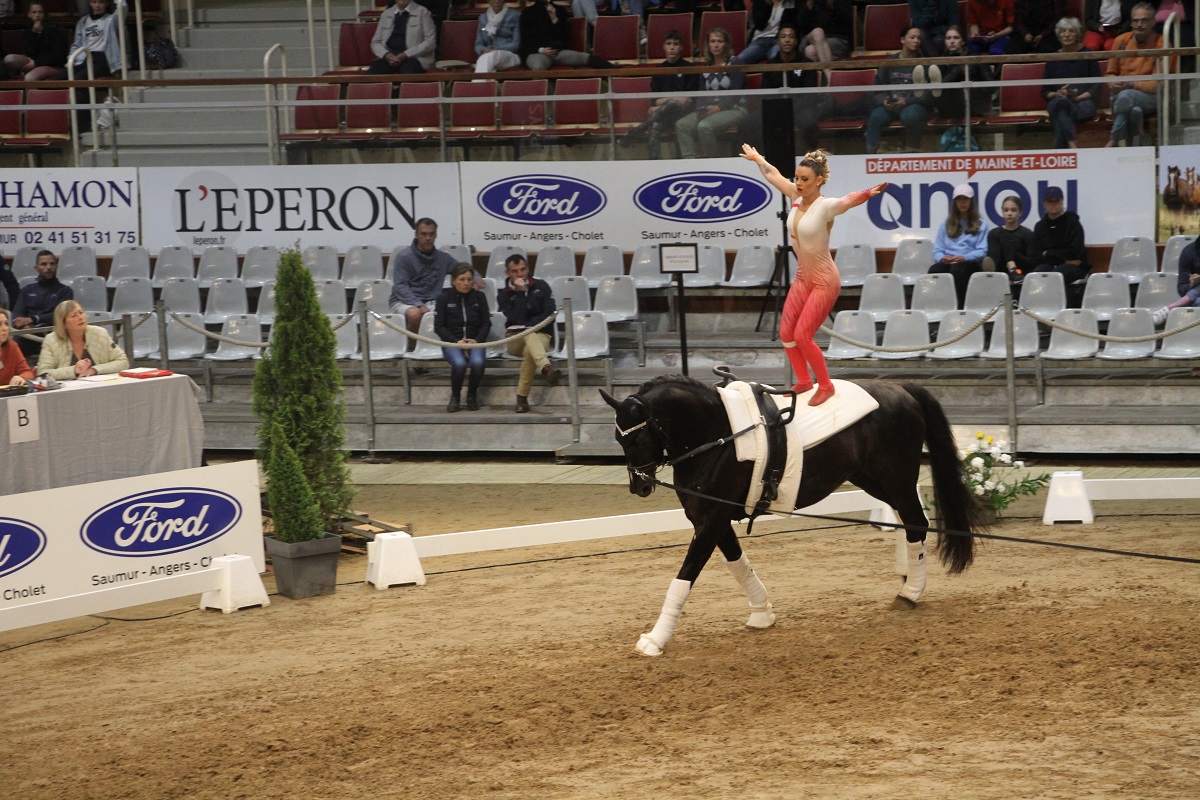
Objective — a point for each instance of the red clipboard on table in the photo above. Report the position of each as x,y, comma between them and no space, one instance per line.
146,372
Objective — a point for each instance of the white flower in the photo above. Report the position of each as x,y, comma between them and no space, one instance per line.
979,490
989,485
977,462
1001,488
976,477
962,455
1019,464
1005,458
995,451
1003,444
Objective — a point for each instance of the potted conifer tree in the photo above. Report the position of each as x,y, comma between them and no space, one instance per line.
298,400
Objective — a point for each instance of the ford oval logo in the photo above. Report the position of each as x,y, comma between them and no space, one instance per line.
542,199
162,521
20,544
702,197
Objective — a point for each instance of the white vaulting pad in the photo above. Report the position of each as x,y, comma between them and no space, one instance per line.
811,426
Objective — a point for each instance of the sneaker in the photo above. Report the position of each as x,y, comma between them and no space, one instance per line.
1160,316
935,76
918,76
552,374
104,120
1016,277
522,404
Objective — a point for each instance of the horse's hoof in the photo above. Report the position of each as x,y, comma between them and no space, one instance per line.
903,602
761,618
647,647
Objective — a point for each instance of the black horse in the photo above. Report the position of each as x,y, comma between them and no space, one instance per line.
880,453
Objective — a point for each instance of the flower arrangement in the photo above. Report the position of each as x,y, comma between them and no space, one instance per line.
993,475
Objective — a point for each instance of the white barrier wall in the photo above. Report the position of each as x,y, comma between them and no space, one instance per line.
58,208
83,549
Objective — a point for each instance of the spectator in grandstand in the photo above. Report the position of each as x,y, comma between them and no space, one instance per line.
36,301
1067,102
933,17
765,19
97,32
14,369
989,26
903,105
808,108
1187,33
404,40
462,317
499,38
1010,247
588,9
525,302
666,111
78,350
1058,239
417,274
1105,21
961,241
952,104
1189,283
1033,26
546,35
826,29
9,283
41,49
697,132
1133,100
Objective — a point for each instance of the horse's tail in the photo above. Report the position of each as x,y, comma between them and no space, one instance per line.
957,508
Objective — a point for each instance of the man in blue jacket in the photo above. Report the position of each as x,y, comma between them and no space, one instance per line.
36,302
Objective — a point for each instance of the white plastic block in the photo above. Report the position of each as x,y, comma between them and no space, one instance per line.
392,561
240,586
1067,500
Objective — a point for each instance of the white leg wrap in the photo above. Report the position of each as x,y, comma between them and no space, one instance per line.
914,587
901,552
762,615
654,642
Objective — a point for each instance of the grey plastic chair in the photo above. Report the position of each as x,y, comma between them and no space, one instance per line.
1157,289
181,295
461,253
644,268
1172,250
266,304
495,333
616,299
385,343
953,324
184,342
375,293
1066,345
423,351
602,261
490,290
935,295
1133,257
856,325
322,261
226,299
753,266
25,261
260,265
590,331
145,335
216,262
346,336
854,263
501,252
1185,344
331,295
1025,337
905,328
913,259
173,262
240,327
363,262
573,287
129,262
90,291
712,268
1130,322
882,293
76,261
133,295
1105,293
1044,293
985,290
553,261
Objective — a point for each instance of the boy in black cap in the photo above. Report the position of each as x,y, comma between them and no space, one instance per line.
1058,244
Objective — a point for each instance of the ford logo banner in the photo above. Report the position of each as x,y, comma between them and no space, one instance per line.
20,544
160,522
702,197
541,199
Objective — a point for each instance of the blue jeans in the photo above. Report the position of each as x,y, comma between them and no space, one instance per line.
1064,113
1129,106
913,117
759,49
459,360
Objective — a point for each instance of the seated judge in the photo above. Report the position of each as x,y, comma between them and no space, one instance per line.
76,349
14,370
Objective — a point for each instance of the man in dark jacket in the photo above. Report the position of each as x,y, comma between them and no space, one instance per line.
36,302
525,302
1058,239
666,110
807,109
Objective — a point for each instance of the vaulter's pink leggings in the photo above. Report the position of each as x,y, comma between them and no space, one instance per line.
806,307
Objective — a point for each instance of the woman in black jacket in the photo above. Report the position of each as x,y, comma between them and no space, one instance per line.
42,49
461,316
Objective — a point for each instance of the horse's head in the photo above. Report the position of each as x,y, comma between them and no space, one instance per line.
641,438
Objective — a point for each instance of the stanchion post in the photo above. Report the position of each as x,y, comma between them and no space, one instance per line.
681,308
164,360
1010,369
572,375
364,347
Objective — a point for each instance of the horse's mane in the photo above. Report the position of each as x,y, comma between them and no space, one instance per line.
684,381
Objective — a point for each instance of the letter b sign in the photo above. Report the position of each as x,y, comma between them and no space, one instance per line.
23,422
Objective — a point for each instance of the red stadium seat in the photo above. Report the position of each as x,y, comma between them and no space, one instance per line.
1020,105
576,117
526,118
368,121
472,120
354,46
883,25
456,44
847,110
616,39
632,112
658,25
417,121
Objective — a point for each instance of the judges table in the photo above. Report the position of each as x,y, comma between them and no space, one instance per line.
86,432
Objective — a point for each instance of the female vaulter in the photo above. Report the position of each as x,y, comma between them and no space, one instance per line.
817,282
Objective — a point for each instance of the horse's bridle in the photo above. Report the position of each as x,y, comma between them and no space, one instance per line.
662,458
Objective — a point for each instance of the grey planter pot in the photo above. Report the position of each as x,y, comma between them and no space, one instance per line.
305,569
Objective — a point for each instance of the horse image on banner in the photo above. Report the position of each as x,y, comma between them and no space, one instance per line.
680,422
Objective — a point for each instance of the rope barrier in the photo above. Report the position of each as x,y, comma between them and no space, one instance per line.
217,336
913,348
461,345
1103,337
